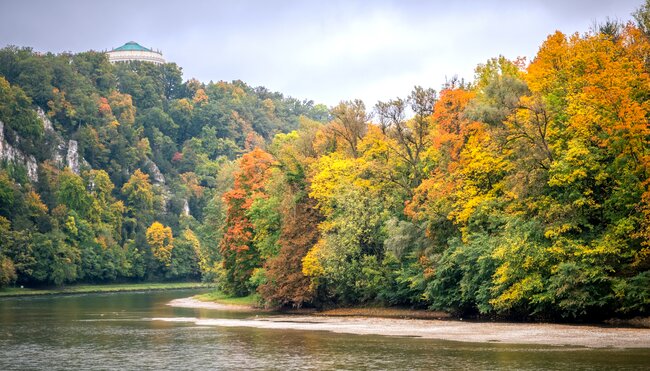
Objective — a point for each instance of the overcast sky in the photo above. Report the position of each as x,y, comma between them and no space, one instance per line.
322,50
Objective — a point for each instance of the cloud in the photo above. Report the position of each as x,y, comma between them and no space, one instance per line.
325,51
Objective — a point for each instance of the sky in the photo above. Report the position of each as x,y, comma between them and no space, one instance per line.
325,51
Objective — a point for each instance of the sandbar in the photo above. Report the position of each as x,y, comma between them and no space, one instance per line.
590,336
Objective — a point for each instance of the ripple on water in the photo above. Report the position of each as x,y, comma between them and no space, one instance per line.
67,334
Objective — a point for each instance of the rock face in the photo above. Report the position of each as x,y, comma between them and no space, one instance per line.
186,207
158,180
10,153
72,157
47,124
156,176
65,154
60,152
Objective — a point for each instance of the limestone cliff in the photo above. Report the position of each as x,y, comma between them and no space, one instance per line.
12,154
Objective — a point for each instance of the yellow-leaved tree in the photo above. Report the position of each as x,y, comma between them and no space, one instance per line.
161,242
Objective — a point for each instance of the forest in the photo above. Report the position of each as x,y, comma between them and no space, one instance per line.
153,154
525,192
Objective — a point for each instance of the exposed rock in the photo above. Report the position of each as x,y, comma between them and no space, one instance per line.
61,152
154,171
47,124
72,157
2,138
57,156
32,168
158,180
186,207
11,154
63,155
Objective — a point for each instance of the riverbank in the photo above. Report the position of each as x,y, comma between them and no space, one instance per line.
86,289
381,312
194,302
220,301
451,330
419,324
217,296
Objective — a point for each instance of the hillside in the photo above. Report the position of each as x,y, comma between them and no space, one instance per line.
94,153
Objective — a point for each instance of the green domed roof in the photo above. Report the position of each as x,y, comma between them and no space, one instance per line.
132,46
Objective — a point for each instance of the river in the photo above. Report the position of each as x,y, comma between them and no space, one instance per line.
118,331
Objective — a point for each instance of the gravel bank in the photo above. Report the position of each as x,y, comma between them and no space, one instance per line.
489,332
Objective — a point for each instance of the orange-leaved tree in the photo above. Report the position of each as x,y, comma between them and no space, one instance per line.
240,256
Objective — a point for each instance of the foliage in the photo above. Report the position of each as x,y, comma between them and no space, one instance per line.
151,147
523,193
161,243
520,194
240,255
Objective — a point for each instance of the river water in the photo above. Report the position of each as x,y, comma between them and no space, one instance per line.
117,331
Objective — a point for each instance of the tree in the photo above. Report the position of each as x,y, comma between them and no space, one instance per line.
7,271
158,119
240,256
71,191
122,107
161,243
286,284
411,137
350,123
139,194
642,17
16,112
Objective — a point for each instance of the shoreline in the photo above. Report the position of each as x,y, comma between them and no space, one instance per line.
102,288
191,302
548,334
448,330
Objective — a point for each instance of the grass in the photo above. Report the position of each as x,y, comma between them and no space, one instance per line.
222,298
82,289
384,312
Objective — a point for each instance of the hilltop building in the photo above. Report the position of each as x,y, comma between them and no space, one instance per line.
132,51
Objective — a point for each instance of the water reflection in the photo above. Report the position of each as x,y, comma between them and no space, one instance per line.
114,331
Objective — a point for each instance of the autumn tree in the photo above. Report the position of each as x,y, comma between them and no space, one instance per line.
350,123
291,217
286,284
161,243
139,194
240,256
122,107
411,136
